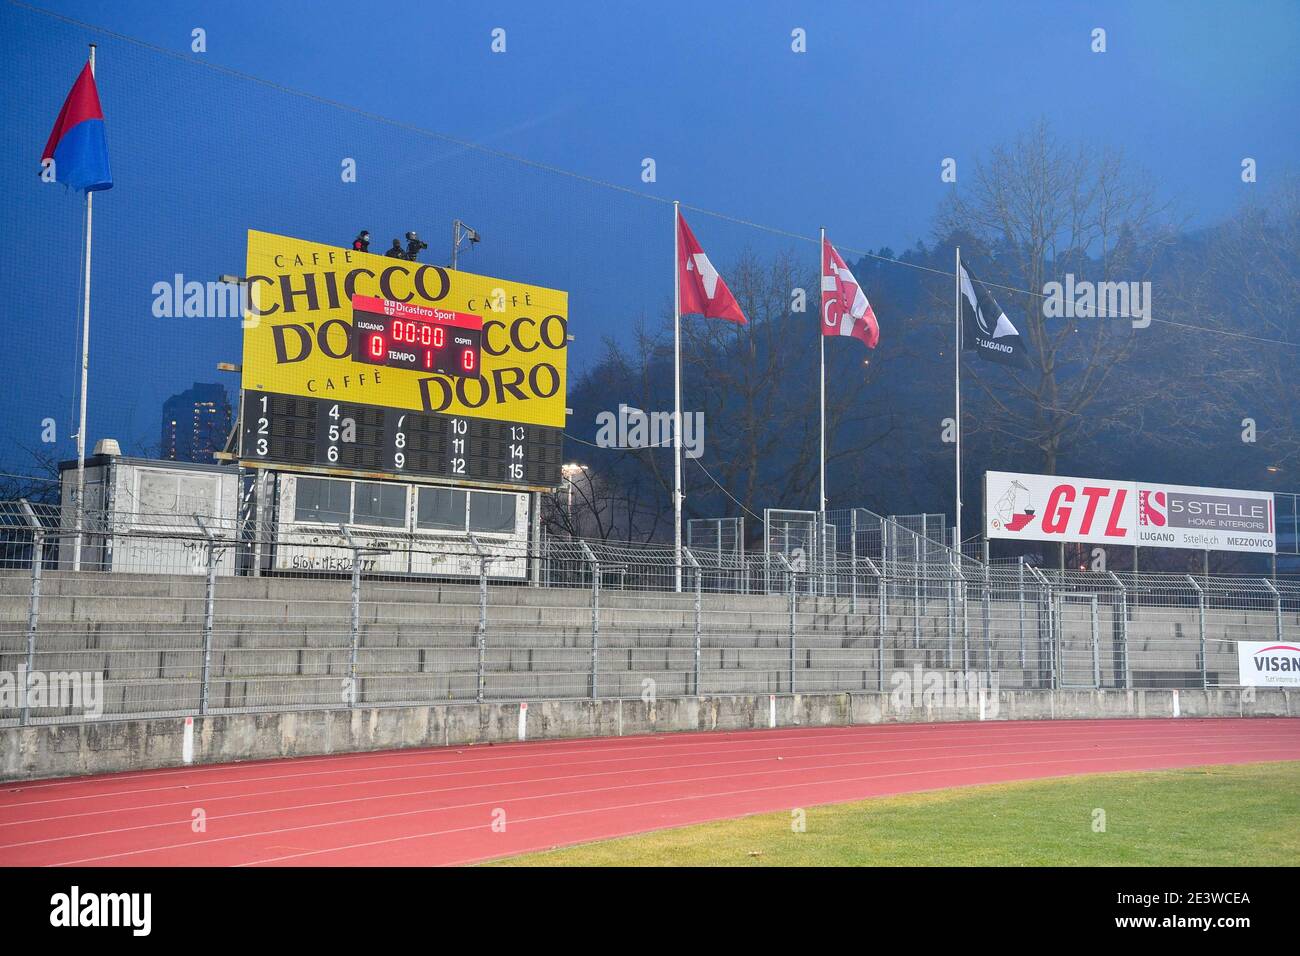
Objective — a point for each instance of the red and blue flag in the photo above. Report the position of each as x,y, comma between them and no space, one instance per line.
77,143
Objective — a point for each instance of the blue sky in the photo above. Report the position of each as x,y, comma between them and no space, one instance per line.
850,135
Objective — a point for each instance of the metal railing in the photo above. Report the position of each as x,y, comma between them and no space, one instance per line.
204,619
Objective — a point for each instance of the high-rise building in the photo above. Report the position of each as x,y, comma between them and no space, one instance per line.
195,423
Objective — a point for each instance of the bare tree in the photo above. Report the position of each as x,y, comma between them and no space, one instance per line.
38,483
1037,210
1250,290
605,501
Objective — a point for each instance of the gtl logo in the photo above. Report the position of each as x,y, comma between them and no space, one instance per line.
1061,506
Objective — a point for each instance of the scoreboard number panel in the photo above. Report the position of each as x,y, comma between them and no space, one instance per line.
345,436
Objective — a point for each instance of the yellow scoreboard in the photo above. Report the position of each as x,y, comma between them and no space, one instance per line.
364,364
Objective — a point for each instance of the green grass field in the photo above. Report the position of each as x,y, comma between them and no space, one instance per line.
1204,816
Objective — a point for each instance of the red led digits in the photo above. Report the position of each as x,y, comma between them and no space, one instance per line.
421,334
419,338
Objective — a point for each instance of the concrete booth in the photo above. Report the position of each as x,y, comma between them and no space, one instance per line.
147,516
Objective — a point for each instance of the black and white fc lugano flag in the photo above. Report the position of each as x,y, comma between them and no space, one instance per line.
985,327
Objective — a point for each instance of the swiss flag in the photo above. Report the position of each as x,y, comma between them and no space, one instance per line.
845,309
701,289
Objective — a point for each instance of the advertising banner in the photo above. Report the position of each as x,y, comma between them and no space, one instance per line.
1102,511
1268,663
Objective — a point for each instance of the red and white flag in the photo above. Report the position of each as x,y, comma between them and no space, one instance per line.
845,309
701,289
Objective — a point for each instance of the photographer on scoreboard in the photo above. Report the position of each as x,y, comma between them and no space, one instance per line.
414,246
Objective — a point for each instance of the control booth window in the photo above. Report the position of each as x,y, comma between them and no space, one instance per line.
323,500
165,496
440,509
493,513
378,504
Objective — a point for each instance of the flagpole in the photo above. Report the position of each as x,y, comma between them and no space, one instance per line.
957,389
85,374
821,337
677,401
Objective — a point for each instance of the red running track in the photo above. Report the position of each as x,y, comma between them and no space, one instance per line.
427,807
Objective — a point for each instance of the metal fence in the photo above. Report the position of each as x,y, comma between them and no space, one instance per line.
202,623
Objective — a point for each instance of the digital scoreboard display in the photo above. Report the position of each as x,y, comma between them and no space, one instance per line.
417,337
332,435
